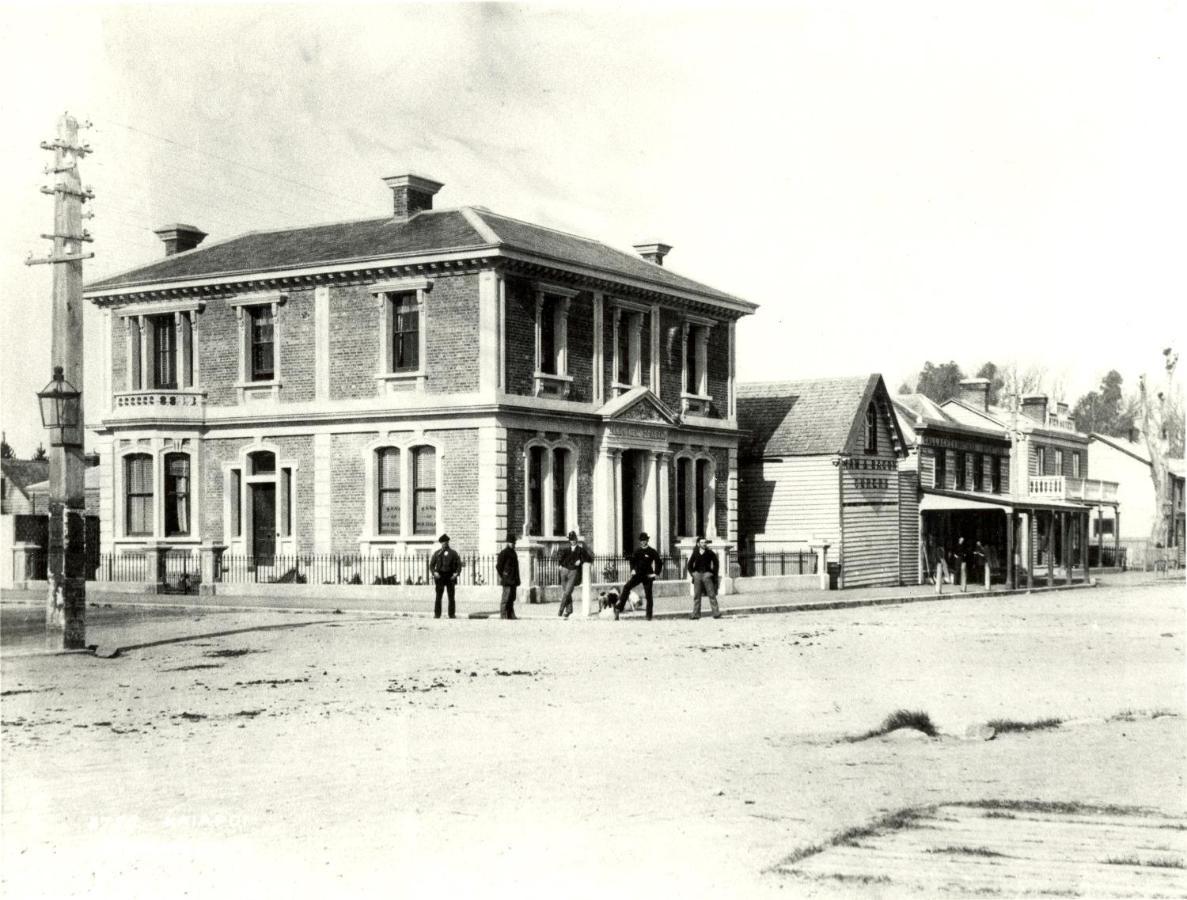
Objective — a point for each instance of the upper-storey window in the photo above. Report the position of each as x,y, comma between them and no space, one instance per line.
941,474
871,436
164,341
978,472
262,340
695,378
552,341
1076,464
1041,460
405,333
961,482
161,345
1058,463
995,474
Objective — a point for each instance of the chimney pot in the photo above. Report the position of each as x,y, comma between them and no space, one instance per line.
1034,407
411,194
179,238
653,251
975,393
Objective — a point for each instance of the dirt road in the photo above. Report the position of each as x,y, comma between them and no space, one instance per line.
380,757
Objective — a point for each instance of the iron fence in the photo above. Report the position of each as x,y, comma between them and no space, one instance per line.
1106,557
336,568
774,562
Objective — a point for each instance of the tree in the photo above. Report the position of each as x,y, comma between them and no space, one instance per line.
6,452
996,379
905,388
40,452
940,382
1159,410
1105,410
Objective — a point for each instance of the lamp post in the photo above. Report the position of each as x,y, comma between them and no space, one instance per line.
61,402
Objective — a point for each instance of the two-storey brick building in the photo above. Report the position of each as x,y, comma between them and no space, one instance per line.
362,387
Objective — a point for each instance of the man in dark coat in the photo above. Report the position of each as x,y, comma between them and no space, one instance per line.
507,568
570,560
645,566
445,566
702,568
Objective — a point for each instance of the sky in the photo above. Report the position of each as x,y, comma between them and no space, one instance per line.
892,183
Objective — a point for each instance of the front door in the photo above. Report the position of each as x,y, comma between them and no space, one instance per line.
263,523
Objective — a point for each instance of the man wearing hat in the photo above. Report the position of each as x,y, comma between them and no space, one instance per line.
445,566
507,568
570,560
645,565
702,568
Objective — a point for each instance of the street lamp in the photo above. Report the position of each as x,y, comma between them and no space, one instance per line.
61,411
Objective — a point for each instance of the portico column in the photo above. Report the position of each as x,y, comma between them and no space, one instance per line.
1050,552
711,501
616,497
1009,549
1117,537
1030,551
1065,522
650,498
663,539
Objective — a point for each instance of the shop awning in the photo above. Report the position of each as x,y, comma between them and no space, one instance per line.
933,501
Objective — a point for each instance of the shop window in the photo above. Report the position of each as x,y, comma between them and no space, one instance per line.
387,471
177,494
424,490
138,492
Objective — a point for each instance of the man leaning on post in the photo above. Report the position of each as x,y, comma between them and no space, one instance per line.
702,568
445,566
570,561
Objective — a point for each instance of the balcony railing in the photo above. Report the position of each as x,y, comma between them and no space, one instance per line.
187,404
1062,487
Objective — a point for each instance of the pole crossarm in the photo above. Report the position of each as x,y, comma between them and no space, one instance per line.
54,260
85,236
85,193
80,149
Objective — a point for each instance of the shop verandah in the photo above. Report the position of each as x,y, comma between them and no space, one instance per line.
1007,541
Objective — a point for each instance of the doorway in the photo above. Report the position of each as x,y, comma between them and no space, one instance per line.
263,522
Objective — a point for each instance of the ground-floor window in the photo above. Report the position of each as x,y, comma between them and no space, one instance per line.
177,494
694,483
138,490
550,490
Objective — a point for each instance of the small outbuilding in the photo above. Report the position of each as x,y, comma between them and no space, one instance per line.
818,463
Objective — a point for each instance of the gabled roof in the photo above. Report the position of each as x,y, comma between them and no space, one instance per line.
806,418
1137,451
428,233
917,411
638,404
1003,417
22,473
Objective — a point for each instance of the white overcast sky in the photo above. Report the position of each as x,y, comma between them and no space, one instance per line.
892,182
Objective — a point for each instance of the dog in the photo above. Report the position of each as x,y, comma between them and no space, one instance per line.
609,602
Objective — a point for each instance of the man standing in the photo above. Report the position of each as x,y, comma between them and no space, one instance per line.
702,567
645,565
507,568
445,566
570,561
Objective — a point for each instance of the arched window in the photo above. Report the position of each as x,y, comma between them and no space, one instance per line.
138,491
424,490
551,490
387,473
695,496
177,494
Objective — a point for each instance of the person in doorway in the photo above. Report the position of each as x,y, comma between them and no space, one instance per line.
702,567
645,566
570,560
445,566
507,570
980,561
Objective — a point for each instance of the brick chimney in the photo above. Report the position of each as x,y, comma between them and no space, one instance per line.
411,194
179,238
1034,406
974,392
654,251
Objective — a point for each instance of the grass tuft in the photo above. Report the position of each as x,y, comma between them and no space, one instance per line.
1005,726
1156,862
967,851
896,821
902,718
1049,806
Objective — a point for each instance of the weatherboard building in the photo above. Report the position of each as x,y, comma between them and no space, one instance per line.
362,387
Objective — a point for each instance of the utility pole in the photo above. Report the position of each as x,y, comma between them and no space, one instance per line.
65,613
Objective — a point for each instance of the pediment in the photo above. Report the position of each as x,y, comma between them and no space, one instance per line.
638,405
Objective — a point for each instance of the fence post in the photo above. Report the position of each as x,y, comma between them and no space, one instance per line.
987,575
820,548
939,578
964,576
156,554
529,570
211,565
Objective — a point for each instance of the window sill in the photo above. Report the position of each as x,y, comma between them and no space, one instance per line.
694,404
549,385
401,382
257,391
618,388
